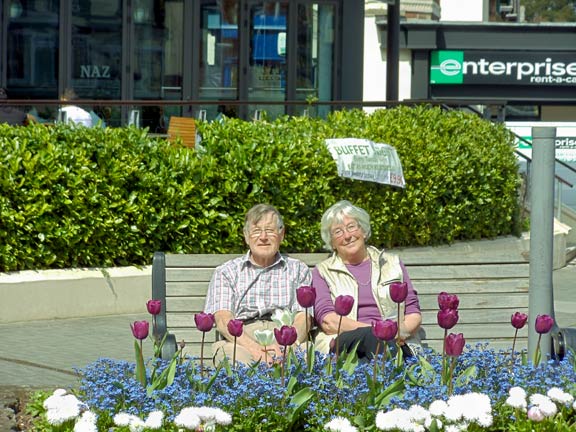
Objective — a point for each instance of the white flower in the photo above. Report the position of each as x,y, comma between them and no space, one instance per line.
535,414
86,422
517,402
340,424
537,399
549,409
154,420
471,407
283,317
264,337
396,419
187,419
517,392
560,396
438,408
134,423
418,414
61,408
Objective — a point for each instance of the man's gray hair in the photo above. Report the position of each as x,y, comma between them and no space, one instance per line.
336,214
257,212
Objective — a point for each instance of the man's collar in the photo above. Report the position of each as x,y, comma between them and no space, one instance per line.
246,260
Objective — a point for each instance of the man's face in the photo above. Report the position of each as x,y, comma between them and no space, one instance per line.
264,239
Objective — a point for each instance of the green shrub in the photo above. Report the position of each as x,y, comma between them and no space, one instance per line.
74,196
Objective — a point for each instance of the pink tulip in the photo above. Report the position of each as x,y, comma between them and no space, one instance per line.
286,335
235,327
544,323
343,304
140,329
455,344
398,291
154,306
204,321
448,301
385,330
447,318
306,296
518,320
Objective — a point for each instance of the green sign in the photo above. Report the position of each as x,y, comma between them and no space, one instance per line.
446,67
535,68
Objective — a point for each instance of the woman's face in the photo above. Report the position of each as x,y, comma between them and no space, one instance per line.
348,239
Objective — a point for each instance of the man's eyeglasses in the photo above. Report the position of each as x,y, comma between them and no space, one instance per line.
350,228
257,232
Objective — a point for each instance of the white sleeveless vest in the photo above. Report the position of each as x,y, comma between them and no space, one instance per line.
385,270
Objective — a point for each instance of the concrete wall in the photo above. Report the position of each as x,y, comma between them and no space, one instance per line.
53,294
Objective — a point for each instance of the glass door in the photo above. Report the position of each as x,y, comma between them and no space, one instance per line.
315,56
267,59
219,54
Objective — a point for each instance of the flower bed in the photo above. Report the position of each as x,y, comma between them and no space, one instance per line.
458,389
496,396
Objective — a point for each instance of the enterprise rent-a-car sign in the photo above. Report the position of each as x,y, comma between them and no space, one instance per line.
503,67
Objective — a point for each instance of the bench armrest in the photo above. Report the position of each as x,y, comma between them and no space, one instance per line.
159,293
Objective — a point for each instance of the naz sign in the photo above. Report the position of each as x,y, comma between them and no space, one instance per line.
511,67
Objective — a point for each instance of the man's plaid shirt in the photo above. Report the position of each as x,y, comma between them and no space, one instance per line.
249,291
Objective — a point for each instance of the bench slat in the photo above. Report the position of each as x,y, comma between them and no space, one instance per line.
469,271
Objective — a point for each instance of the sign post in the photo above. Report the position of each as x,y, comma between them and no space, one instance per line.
541,294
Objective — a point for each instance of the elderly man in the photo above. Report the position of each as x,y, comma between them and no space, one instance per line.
250,288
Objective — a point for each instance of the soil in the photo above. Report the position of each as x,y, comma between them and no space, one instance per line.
13,401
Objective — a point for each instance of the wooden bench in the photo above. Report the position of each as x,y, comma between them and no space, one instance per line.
490,277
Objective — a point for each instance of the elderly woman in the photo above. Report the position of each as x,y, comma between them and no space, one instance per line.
366,274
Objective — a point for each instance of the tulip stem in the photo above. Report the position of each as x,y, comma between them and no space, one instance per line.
450,382
513,347
202,356
338,334
307,336
376,359
444,362
537,353
234,354
384,355
283,364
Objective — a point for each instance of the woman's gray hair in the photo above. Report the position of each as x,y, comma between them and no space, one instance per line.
257,212
336,213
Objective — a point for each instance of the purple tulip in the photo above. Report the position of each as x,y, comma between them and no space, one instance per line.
544,323
140,329
235,327
455,344
286,335
447,318
398,291
343,304
385,330
306,296
154,307
448,301
518,320
204,321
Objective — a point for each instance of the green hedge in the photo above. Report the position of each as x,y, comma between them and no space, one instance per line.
107,197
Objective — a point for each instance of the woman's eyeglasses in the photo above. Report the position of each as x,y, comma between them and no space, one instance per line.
350,228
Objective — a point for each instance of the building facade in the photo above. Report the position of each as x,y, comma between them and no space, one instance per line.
173,51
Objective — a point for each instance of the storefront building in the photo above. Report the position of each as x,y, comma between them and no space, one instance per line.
218,51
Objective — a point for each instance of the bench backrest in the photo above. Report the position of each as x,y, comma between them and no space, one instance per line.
183,128
491,288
